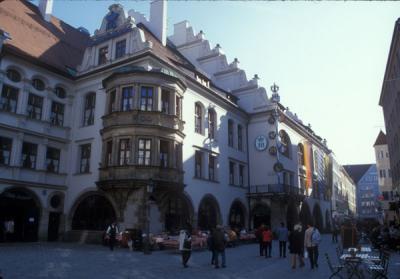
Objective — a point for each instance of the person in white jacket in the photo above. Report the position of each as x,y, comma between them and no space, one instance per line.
185,246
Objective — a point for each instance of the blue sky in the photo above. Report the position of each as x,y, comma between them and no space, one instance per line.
328,58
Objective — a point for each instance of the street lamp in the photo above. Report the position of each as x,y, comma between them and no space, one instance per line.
275,98
149,191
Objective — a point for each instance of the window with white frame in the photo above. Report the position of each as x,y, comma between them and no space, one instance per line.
112,100
164,151
127,98
212,167
198,118
232,173
57,114
146,98
89,109
165,101
108,157
144,152
9,98
120,49
124,152
29,155
103,54
5,150
198,167
212,123
35,106
84,164
53,159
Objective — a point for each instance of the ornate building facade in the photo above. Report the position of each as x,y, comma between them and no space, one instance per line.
153,132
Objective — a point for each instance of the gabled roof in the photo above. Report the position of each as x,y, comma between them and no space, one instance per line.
356,172
55,44
381,139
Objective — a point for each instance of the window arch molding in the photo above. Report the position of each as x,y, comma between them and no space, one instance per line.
17,69
285,144
36,80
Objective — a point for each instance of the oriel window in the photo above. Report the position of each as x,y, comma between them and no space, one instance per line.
88,115
120,49
9,98
35,105
127,98
84,166
164,150
29,155
5,150
52,159
57,114
144,152
124,152
146,98
103,52
165,101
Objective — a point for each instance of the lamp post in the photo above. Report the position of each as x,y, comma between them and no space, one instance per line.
275,98
149,191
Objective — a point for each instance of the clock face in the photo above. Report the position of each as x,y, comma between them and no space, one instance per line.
261,143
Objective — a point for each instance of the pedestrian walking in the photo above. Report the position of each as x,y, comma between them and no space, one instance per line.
267,241
259,236
185,246
312,238
210,244
335,232
219,242
112,232
283,234
296,246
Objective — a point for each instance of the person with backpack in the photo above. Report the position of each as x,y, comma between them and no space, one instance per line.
112,232
312,238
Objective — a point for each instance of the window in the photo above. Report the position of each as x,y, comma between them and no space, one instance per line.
390,173
34,108
52,159
38,84
5,150
146,98
127,98
230,133
178,107
84,166
211,123
198,164
103,52
124,151
211,167
231,173
13,75
120,48
164,146
165,101
111,102
29,155
387,154
57,114
197,118
285,144
300,154
60,92
88,115
240,138
381,154
382,173
108,158
144,154
9,98
241,175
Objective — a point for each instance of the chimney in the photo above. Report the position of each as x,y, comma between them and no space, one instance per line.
45,8
158,20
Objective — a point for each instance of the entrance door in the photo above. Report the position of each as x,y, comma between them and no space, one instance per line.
54,224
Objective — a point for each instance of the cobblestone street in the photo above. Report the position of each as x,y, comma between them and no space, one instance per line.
64,260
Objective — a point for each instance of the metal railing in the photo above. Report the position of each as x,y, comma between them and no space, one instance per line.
276,189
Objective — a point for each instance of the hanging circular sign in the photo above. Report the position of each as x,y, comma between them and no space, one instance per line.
272,135
261,143
278,167
271,120
272,150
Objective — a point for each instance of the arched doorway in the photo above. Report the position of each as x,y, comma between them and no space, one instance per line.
21,209
317,216
237,215
305,214
328,220
261,214
209,214
178,211
292,215
94,212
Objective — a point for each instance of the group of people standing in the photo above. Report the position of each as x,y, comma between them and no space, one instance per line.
302,243
216,241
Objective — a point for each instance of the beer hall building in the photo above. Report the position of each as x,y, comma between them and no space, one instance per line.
128,124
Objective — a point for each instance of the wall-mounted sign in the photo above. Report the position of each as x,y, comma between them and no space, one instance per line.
261,143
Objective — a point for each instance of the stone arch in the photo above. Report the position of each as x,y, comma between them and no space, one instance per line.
23,207
92,211
237,215
209,213
261,214
292,215
305,214
317,217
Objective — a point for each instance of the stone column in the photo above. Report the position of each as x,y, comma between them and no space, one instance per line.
43,225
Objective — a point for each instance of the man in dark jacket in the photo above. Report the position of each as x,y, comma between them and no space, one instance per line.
219,243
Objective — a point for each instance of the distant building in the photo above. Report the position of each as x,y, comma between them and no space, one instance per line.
389,196
366,179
